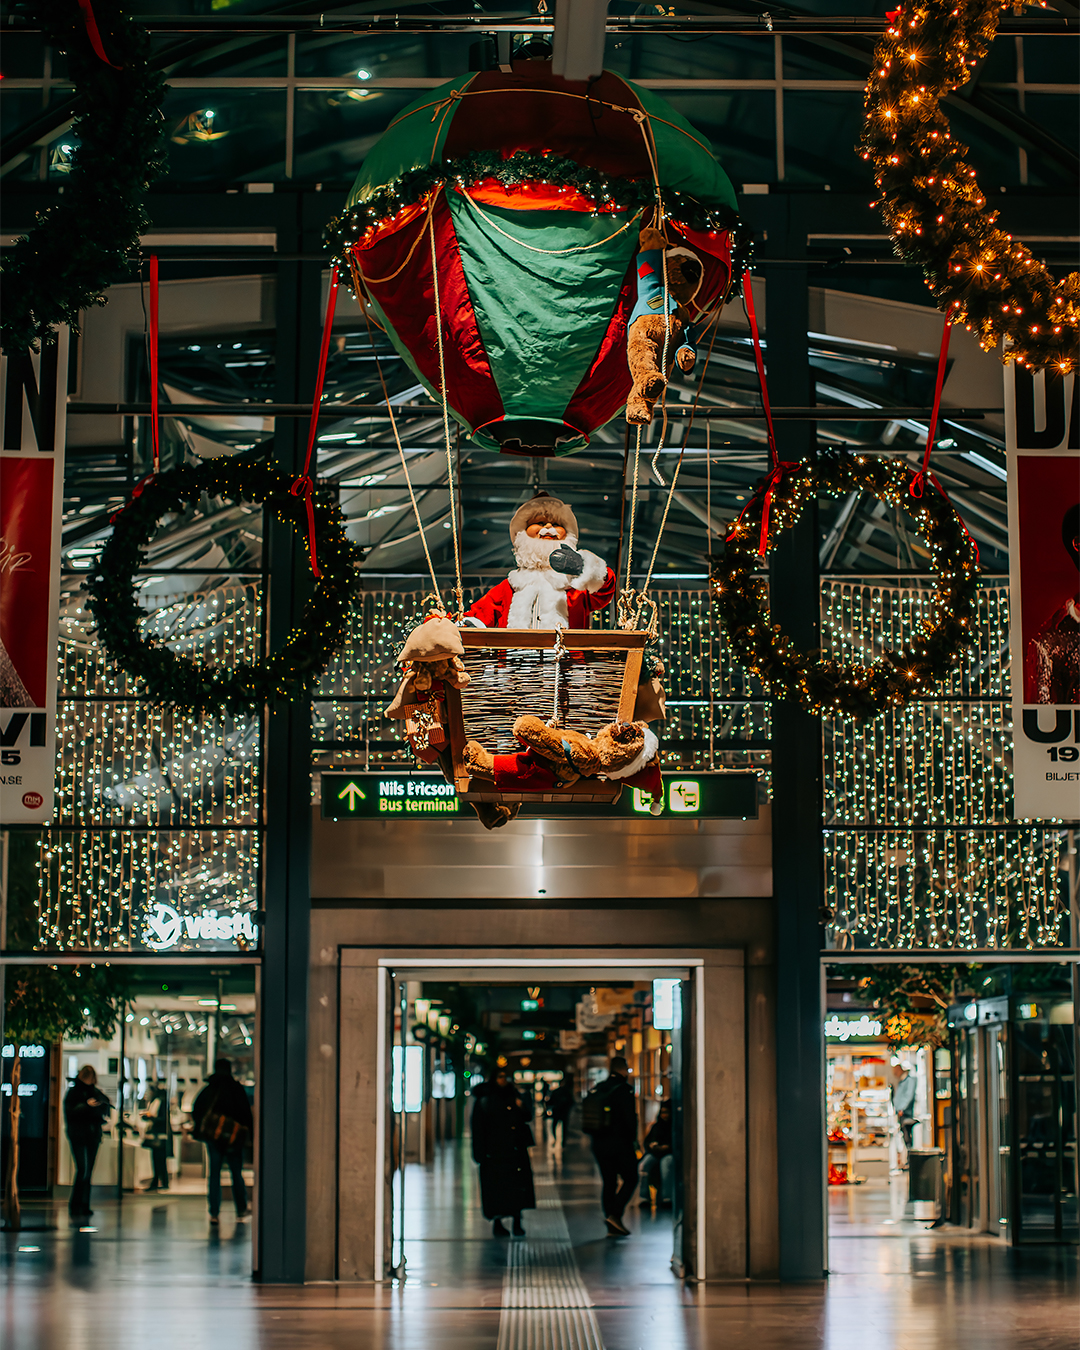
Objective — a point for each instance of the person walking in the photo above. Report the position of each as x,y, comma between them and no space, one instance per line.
86,1108
223,1121
658,1164
609,1117
501,1139
156,1138
560,1104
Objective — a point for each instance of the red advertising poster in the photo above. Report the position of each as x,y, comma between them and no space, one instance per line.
26,623
33,404
1048,492
1042,430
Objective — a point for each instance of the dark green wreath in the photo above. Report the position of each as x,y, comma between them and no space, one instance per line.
526,166
82,245
190,685
818,681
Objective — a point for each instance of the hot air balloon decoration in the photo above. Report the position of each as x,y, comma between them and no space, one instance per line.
494,233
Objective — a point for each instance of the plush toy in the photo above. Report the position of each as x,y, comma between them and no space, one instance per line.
554,757
555,584
654,326
430,660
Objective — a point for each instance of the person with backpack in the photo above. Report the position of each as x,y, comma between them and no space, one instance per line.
609,1117
223,1121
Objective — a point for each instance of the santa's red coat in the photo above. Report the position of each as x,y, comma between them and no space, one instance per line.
491,609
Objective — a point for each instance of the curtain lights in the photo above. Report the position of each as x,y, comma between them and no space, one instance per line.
931,202
916,855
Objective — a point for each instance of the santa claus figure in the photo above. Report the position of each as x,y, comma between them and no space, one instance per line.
555,584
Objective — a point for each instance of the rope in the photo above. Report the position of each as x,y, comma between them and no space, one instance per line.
551,252
302,485
458,591
626,615
404,461
378,281
155,418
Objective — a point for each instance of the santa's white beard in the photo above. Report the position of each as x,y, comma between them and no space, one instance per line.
532,553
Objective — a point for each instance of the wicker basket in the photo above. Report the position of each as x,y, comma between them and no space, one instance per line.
513,672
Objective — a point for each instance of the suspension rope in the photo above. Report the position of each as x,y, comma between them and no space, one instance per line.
625,610
458,591
404,461
155,394
378,281
550,252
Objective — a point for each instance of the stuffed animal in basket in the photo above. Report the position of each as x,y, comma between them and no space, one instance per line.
555,584
555,757
655,326
430,660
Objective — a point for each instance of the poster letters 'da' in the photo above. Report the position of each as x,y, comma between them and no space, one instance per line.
33,403
1042,425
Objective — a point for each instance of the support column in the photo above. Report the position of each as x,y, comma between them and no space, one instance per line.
797,785
287,795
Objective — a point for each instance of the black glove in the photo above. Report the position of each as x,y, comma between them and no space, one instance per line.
564,559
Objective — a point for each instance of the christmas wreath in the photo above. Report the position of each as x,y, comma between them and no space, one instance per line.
190,685
526,166
81,246
821,683
931,202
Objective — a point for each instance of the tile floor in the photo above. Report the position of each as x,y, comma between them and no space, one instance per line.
152,1276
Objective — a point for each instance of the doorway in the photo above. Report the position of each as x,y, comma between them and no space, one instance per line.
545,1044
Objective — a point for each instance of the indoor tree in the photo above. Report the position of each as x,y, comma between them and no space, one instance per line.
43,1004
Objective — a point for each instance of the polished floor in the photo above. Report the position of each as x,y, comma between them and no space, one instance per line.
149,1274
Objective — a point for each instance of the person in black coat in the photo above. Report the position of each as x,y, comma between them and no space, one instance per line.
86,1108
501,1139
614,1145
223,1121
156,1114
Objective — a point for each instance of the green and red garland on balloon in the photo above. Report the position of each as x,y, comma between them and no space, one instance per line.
193,686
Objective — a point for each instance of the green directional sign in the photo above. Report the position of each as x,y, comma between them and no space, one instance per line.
374,796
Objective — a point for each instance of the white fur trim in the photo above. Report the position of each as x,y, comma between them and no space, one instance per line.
594,575
539,599
648,753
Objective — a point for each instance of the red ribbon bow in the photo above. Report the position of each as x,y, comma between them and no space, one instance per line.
137,491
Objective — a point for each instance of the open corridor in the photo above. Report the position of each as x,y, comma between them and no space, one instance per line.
150,1272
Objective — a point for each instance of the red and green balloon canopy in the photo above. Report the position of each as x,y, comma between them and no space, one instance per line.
517,200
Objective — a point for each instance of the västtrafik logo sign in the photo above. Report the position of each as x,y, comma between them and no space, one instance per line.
166,926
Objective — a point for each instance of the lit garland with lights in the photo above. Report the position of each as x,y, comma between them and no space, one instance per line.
821,683
80,246
178,681
933,206
606,193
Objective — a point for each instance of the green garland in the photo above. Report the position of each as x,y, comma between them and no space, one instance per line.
82,245
526,166
190,685
930,200
821,683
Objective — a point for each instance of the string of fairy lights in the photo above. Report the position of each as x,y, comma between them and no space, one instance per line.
156,808
153,807
915,801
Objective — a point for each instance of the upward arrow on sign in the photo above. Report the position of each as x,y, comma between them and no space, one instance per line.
351,791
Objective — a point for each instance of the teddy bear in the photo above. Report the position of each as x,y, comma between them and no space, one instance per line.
555,757
650,329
